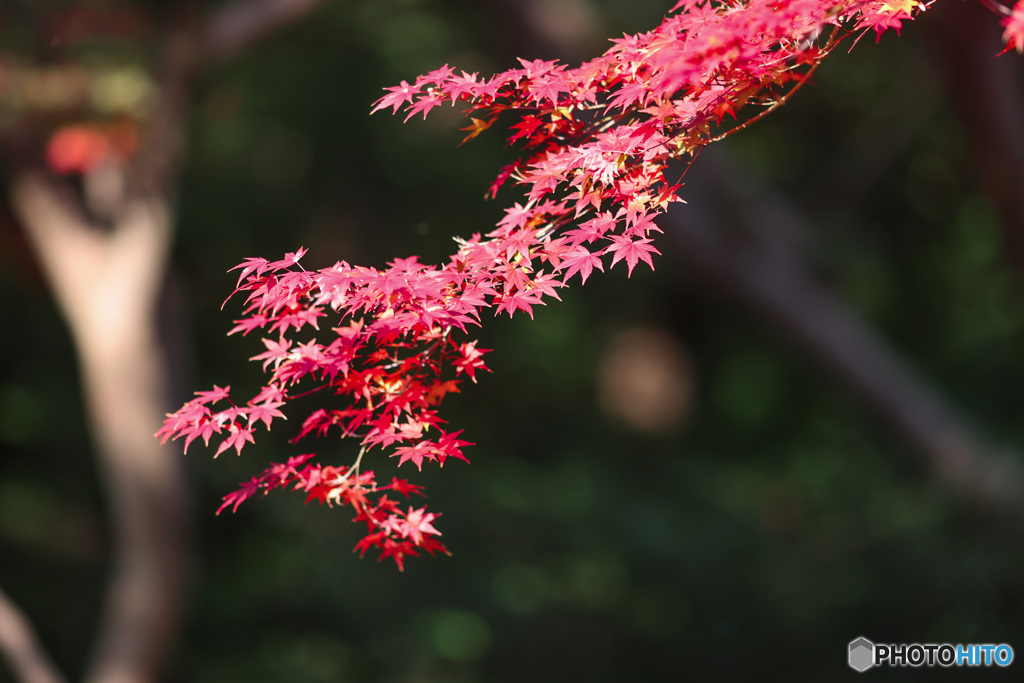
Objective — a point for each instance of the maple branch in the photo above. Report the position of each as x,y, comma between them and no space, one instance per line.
20,645
722,239
782,99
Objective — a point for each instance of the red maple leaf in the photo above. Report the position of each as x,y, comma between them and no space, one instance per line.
1013,25
450,446
396,97
236,439
580,260
632,251
416,453
244,493
397,550
404,487
416,524
266,412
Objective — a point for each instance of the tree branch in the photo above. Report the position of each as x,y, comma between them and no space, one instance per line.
189,46
731,251
19,644
237,26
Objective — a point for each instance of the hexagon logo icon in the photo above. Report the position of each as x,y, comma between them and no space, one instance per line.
862,654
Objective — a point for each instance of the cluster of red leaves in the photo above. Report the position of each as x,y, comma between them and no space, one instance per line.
82,148
597,143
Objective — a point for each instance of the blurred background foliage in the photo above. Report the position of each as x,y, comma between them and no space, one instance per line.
754,526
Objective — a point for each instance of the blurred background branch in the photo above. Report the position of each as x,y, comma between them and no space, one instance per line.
738,239
20,646
237,26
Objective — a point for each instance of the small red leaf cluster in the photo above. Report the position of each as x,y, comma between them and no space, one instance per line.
597,142
82,148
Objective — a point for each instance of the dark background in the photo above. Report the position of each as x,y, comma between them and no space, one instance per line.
770,516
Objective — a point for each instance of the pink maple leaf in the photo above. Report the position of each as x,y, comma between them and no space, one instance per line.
237,438
416,524
396,97
580,260
632,251
244,492
417,453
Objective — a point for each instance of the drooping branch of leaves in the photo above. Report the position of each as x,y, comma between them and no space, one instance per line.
596,146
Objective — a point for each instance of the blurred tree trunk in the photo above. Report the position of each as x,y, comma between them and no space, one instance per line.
104,253
107,285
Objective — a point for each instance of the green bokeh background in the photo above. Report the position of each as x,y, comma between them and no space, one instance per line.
778,522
